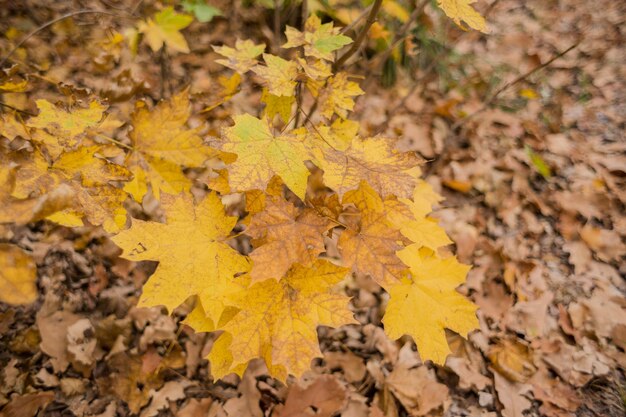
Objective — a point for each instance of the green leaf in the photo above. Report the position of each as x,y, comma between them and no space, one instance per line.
331,43
203,11
540,165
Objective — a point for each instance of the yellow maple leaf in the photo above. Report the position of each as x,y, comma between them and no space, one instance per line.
278,321
18,276
319,40
229,86
161,144
165,29
14,86
59,130
284,235
373,160
411,217
11,126
280,105
278,75
87,179
192,254
336,95
197,319
370,247
428,303
462,11
315,69
261,155
32,208
242,57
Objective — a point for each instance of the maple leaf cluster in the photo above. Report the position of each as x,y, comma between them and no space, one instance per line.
306,187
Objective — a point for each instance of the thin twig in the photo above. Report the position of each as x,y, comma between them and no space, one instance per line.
356,21
488,102
50,23
115,141
304,12
361,37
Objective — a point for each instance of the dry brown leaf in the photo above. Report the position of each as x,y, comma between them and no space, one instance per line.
324,397
27,405
418,390
512,395
53,329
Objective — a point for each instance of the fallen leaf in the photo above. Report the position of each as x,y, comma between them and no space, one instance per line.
324,397
418,390
165,29
18,276
512,395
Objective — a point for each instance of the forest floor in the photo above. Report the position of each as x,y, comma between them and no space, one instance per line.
534,180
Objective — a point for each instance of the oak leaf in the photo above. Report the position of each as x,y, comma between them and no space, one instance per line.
18,276
165,29
286,235
261,155
462,11
278,321
242,57
192,254
161,143
427,303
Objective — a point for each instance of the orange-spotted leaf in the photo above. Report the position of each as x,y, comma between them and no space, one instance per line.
284,235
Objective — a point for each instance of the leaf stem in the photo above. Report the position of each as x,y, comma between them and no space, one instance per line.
117,142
